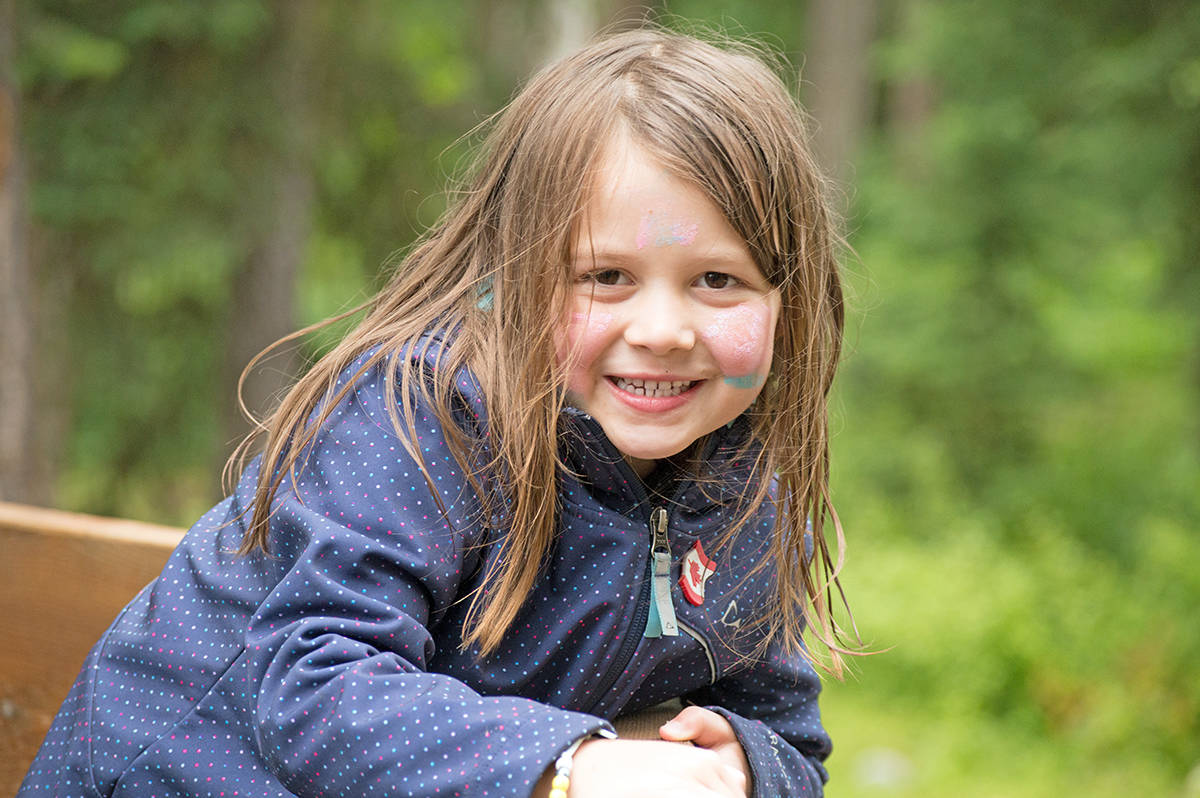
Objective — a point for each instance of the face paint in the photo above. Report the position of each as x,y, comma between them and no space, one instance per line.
660,231
584,336
739,338
749,381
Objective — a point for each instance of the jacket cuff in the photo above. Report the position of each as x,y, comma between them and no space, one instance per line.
776,768
578,727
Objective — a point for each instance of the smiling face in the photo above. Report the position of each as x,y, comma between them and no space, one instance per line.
669,332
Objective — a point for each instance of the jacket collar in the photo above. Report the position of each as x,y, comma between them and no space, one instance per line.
727,457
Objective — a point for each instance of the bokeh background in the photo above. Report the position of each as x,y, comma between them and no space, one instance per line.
1016,450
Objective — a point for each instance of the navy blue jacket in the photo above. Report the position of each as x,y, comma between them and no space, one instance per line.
332,666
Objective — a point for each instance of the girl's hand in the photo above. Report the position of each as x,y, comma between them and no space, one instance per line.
652,769
707,729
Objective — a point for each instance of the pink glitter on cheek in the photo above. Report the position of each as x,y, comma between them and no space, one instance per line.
739,338
585,336
659,231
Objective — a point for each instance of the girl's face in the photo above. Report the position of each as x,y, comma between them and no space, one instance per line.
669,332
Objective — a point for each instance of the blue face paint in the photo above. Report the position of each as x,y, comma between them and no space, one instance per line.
749,381
484,301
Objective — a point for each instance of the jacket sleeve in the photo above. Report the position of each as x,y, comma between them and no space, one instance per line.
772,707
345,704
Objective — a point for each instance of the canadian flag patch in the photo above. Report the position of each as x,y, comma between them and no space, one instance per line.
697,568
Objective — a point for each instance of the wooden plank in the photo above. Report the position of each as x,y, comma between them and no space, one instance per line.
63,578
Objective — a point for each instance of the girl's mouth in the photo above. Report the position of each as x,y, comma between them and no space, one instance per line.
652,388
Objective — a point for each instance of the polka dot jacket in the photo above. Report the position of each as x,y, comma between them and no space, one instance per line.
332,666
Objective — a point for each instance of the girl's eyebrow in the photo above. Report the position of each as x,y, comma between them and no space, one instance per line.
724,256
594,256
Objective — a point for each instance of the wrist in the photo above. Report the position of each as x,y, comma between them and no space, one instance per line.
560,783
556,779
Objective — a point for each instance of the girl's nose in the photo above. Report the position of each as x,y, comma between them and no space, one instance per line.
661,326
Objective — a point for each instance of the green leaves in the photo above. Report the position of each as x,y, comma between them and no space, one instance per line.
1019,456
55,50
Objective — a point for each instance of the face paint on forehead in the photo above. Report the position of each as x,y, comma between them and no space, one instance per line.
740,340
660,230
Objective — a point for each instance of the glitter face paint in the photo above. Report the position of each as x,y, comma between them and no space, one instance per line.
740,340
659,230
585,337
749,381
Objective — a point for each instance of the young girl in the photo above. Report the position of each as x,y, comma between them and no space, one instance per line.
561,471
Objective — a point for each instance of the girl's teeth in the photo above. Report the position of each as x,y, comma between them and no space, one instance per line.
653,387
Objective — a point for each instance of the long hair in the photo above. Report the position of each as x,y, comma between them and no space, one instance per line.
717,117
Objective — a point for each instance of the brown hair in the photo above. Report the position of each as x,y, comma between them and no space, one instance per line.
715,116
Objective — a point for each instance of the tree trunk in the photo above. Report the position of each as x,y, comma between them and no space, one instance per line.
910,104
570,23
627,12
281,208
16,290
837,78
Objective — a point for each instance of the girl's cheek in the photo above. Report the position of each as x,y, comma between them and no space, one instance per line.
740,339
581,340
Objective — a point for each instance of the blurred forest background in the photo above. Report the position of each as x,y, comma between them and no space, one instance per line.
1016,453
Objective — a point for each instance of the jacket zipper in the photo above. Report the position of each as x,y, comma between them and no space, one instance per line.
637,628
660,555
712,662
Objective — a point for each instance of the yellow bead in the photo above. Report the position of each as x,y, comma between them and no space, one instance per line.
560,783
558,793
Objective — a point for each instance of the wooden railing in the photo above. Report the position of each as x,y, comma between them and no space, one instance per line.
63,578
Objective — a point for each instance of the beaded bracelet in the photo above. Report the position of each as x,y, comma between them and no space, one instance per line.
562,770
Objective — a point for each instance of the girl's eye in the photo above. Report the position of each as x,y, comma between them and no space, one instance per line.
604,277
717,280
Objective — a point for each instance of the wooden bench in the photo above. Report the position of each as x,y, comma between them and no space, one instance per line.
63,578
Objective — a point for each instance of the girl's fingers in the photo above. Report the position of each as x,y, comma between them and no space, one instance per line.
647,769
703,727
708,730
692,792
735,780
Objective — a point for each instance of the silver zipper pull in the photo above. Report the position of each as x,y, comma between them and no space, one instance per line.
660,550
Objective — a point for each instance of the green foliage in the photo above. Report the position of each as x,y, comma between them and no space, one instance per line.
58,50
1018,460
148,127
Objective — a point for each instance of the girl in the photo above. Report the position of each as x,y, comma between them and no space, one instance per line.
560,472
